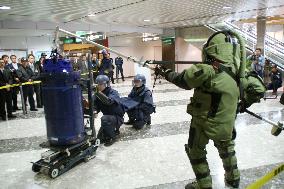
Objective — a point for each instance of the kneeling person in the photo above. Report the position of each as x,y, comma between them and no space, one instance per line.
107,101
141,113
276,79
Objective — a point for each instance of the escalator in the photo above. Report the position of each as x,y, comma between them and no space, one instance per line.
274,49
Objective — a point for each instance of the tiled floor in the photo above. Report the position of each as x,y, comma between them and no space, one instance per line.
151,158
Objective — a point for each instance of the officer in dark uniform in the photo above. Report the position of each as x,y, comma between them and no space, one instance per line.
119,68
141,113
107,101
106,67
5,94
14,66
26,74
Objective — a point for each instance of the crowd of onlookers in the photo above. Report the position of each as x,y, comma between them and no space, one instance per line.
100,66
18,71
268,71
22,70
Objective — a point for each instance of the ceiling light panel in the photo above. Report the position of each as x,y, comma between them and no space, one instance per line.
161,13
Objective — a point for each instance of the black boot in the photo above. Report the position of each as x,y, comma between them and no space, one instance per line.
3,117
16,108
129,122
192,185
117,132
148,121
110,141
11,116
101,136
233,183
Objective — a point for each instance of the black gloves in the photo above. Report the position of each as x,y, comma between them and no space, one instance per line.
161,70
241,107
103,98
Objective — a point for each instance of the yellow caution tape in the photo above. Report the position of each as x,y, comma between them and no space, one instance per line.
259,183
88,72
31,83
16,85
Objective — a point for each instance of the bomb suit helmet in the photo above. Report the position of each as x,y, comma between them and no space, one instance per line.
224,47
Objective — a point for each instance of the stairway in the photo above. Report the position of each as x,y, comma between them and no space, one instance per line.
274,49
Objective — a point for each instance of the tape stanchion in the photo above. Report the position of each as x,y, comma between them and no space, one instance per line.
260,182
16,85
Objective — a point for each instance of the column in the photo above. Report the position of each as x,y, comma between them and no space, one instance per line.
261,30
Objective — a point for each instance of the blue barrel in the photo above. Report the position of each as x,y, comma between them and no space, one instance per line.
62,99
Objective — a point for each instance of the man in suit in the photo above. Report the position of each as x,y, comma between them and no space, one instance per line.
26,74
36,87
83,64
13,67
5,94
5,58
38,69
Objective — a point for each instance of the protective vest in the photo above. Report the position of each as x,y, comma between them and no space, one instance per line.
142,95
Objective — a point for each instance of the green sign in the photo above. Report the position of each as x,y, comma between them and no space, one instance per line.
81,34
68,40
168,40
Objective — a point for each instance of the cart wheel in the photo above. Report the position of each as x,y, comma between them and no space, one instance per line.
86,159
53,172
36,168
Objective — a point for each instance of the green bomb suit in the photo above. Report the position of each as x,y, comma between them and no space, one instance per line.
213,110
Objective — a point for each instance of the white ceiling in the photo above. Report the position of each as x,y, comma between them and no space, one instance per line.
162,13
125,17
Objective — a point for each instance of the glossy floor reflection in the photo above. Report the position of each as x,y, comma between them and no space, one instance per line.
151,158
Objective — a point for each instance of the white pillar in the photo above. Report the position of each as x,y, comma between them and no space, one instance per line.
261,30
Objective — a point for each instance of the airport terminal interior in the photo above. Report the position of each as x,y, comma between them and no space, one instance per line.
141,94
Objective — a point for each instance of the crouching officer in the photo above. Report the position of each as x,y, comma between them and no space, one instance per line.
213,105
141,113
107,100
276,79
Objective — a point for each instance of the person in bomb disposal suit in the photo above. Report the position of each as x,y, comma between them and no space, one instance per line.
214,104
218,82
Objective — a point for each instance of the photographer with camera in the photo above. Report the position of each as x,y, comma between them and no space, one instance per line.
257,62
